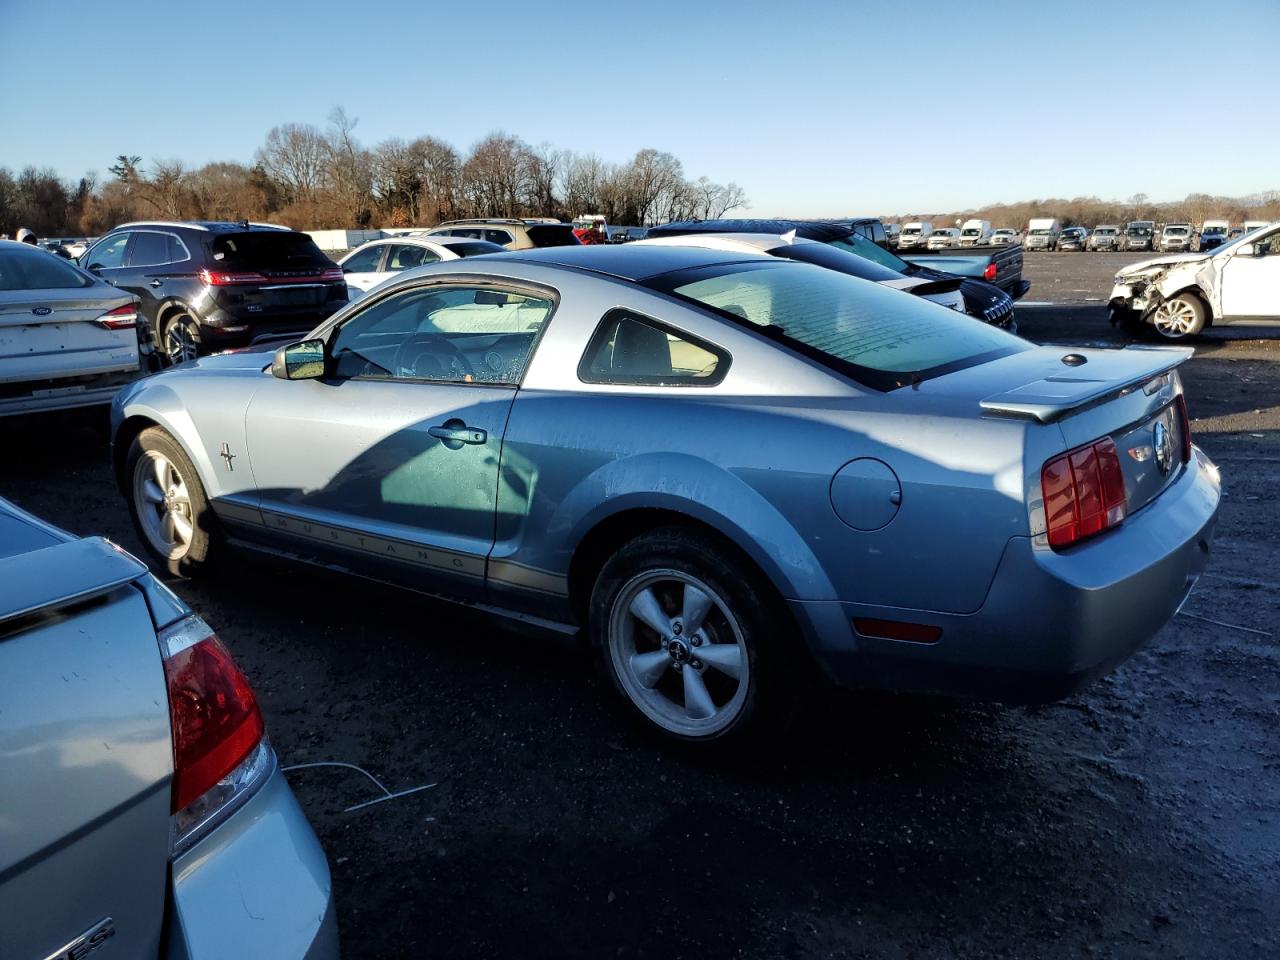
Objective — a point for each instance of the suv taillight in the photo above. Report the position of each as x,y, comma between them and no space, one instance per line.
226,278
220,754
1083,493
121,318
333,273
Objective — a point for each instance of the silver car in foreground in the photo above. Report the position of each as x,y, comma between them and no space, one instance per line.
726,468
141,809
67,339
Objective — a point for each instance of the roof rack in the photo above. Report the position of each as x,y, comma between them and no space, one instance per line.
191,224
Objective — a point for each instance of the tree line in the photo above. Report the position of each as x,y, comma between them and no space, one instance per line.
1091,211
315,178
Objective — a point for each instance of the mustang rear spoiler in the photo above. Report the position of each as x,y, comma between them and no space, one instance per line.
62,575
1105,374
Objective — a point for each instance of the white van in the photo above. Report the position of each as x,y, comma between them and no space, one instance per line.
914,235
1252,225
975,233
1042,234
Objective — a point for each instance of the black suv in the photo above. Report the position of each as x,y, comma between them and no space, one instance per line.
208,286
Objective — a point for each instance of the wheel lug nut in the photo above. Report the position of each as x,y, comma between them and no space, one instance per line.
697,641
696,664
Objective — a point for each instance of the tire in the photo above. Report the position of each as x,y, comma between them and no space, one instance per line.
179,338
168,504
750,691
1181,316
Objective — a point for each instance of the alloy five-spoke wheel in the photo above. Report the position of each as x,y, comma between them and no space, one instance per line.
163,505
1177,317
679,652
181,340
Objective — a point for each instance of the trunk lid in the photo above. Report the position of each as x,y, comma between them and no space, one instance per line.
84,746
46,334
1130,395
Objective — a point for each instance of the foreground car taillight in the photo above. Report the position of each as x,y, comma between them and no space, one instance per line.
121,318
1083,493
220,752
1184,421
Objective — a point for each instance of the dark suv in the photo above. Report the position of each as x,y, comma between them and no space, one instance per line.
208,286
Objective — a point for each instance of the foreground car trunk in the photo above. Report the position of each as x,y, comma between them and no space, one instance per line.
84,798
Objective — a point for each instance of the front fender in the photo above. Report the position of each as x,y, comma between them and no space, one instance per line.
160,404
685,484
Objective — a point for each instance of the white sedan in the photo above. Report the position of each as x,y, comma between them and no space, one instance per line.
367,266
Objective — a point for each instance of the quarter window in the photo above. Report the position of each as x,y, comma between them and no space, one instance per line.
500,237
449,334
628,348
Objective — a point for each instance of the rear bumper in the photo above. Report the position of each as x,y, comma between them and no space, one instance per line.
1051,622
49,395
258,886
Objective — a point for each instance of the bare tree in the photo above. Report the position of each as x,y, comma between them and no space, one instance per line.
294,158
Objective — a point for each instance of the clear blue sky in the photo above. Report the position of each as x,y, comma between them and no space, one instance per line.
814,108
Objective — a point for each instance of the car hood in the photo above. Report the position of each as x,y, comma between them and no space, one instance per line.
253,357
1168,261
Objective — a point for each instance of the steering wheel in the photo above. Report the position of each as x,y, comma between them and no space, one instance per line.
431,346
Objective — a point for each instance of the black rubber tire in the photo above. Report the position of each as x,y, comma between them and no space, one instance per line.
172,320
780,667
205,536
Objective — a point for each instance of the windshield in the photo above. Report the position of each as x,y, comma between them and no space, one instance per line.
1038,232
910,231
1105,232
1176,231
879,337
833,258
1139,231
23,268
970,232
475,248
860,245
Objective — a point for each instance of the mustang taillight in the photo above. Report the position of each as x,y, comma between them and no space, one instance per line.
1083,493
121,318
227,278
989,273
214,715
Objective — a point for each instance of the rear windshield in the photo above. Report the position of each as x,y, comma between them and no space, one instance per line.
833,258
268,249
860,246
474,248
28,268
552,235
879,337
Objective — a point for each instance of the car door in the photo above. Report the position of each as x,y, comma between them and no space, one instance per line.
391,460
107,257
155,263
1251,284
363,270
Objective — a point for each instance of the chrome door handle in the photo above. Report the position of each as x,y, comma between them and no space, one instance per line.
457,432
156,283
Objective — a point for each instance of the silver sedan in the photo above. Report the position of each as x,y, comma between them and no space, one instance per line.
723,469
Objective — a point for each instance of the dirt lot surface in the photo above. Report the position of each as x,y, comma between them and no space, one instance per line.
1140,819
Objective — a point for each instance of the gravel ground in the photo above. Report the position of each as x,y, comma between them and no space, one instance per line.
1140,819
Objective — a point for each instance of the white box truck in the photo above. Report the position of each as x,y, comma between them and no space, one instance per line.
1042,234
915,234
974,233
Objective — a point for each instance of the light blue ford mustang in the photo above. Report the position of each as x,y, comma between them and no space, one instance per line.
725,469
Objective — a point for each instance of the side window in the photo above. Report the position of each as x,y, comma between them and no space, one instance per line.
149,249
364,261
472,233
110,252
500,237
630,349
449,334
404,256
177,252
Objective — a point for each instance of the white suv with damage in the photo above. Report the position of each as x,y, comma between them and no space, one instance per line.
1180,294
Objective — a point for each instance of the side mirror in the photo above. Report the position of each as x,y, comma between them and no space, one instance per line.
95,268
300,361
